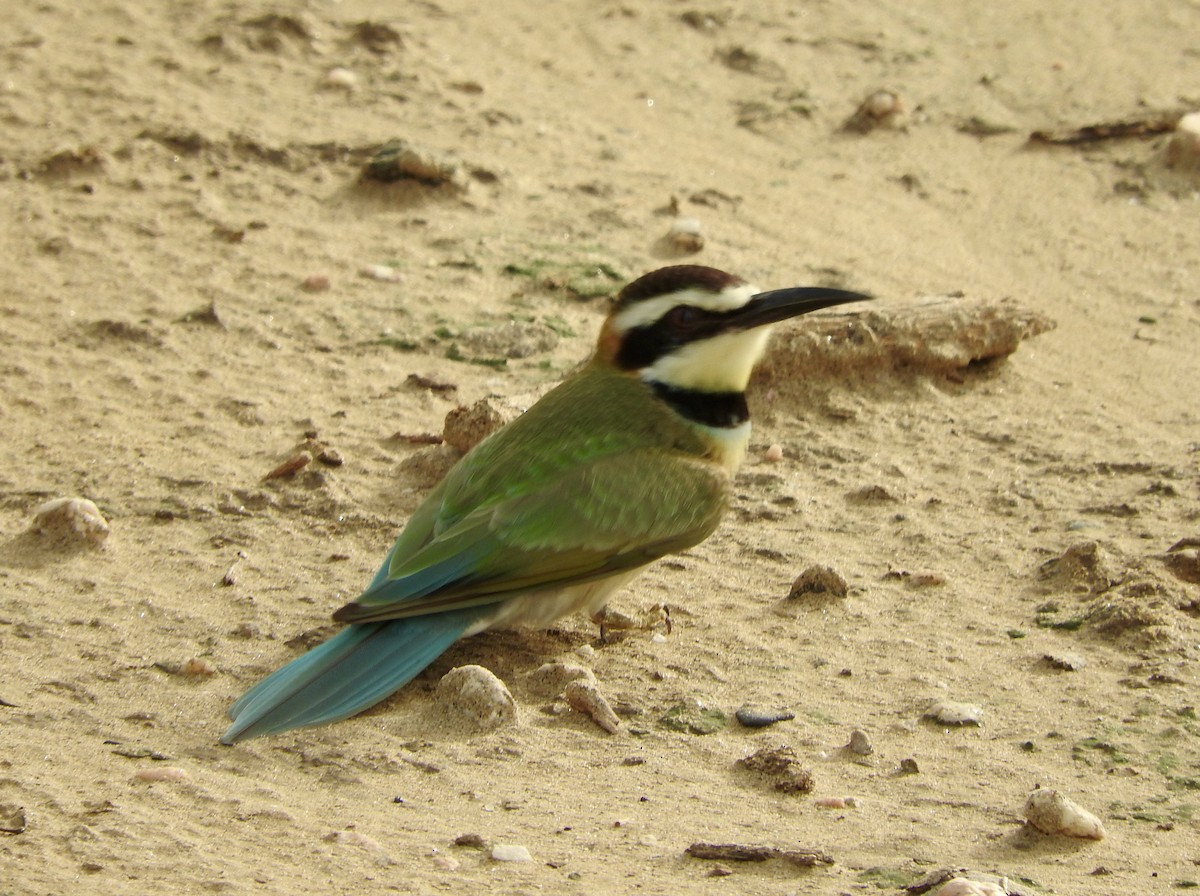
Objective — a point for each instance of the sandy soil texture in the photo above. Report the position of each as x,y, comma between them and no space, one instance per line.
199,284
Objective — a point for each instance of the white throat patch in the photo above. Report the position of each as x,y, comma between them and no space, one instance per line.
720,364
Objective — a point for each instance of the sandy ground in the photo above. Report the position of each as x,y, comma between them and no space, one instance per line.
170,175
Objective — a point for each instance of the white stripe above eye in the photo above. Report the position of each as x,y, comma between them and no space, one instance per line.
647,311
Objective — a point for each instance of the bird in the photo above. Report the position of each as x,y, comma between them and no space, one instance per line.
628,459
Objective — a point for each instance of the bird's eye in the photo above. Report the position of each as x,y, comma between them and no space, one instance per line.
684,317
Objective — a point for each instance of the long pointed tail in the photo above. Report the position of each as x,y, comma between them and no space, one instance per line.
355,669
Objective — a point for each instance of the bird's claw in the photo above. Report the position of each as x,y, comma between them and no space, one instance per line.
658,616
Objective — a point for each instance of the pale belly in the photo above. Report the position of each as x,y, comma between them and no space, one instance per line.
539,609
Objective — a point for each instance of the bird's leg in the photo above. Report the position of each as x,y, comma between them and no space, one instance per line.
610,620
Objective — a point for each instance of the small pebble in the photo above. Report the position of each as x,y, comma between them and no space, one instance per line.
472,841
782,765
758,717
158,773
819,581
465,427
1083,568
330,457
316,283
446,863
948,712
71,521
882,103
1183,149
475,694
1067,662
860,743
198,667
1052,813
12,819
685,235
291,466
399,160
909,766
836,802
503,852
880,108
773,454
342,78
230,578
383,272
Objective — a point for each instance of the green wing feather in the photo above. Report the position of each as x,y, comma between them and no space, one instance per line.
596,478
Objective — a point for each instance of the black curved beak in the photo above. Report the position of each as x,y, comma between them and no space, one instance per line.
780,304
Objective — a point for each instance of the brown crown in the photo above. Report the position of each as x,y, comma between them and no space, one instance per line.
672,279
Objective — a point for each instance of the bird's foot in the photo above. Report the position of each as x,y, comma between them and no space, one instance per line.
609,620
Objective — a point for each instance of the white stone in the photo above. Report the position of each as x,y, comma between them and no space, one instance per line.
341,77
949,712
961,886
1183,149
384,272
1052,813
71,521
504,852
475,694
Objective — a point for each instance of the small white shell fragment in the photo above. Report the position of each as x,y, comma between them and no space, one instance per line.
477,695
383,272
585,697
882,103
948,712
773,454
446,863
1052,813
685,235
341,77
881,107
961,886
504,852
71,521
162,773
1183,149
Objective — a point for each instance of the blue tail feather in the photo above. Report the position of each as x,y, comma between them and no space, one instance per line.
355,669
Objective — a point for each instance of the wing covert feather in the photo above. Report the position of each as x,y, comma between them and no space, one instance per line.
599,497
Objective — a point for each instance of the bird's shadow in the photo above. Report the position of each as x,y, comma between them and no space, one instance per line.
509,654
33,550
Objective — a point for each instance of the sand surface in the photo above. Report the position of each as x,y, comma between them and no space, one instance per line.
172,174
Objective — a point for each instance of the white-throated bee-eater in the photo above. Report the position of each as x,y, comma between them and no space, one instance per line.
628,459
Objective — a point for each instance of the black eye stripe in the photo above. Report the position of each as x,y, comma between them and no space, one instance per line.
642,346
